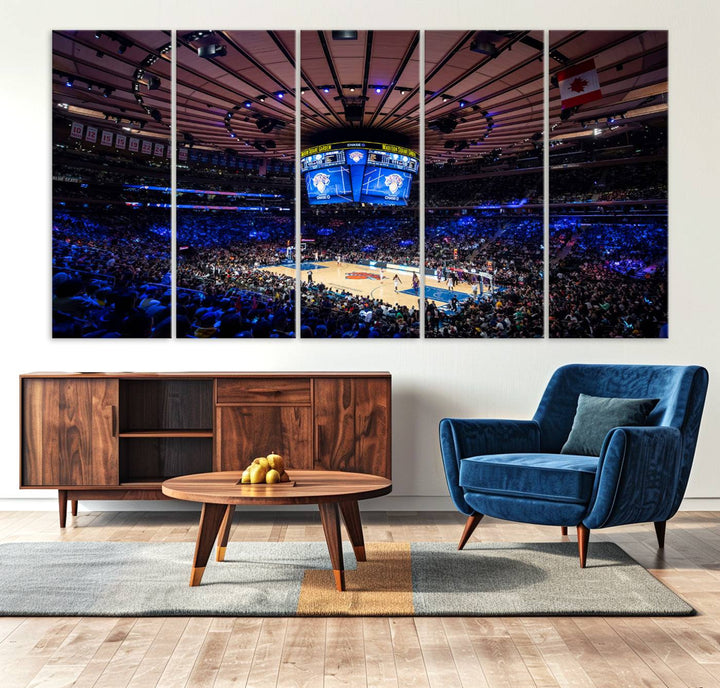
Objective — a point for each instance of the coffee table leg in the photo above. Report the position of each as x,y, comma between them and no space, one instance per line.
331,525
353,525
224,534
210,519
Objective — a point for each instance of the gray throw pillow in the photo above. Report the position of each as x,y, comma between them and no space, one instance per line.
596,416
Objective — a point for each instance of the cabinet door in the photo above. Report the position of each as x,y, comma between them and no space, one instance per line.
352,425
69,432
246,432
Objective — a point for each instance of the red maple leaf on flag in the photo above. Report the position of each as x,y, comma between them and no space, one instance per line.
578,85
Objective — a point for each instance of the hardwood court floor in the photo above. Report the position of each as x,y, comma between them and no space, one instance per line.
373,652
335,277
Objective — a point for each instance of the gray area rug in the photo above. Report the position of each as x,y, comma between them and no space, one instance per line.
281,579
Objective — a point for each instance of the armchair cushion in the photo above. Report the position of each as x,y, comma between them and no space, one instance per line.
548,477
596,416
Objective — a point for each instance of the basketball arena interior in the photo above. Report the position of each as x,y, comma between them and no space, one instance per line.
412,190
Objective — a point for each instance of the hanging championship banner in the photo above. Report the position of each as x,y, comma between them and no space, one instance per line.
183,154
158,150
91,134
147,147
120,140
76,130
106,139
134,145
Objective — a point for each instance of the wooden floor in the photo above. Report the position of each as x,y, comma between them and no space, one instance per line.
373,652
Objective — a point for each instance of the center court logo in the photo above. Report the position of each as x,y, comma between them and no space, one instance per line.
361,275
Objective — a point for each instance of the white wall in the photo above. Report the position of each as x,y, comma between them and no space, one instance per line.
431,379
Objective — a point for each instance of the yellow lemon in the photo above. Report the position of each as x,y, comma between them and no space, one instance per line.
272,476
257,473
245,476
262,461
276,462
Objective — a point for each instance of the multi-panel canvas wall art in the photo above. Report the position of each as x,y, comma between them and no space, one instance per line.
389,198
235,184
608,183
111,241
360,135
483,183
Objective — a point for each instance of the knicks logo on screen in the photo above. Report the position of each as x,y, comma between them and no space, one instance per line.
356,157
320,181
393,183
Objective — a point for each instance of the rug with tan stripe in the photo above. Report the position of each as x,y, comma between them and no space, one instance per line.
294,578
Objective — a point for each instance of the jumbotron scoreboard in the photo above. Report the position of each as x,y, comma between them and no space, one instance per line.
358,172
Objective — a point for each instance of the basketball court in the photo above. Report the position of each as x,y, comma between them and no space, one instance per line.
363,280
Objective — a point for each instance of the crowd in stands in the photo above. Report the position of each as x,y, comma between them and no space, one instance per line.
631,182
496,189
507,248
608,280
111,264
327,313
223,290
111,274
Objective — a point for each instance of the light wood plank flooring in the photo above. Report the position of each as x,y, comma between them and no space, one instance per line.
373,652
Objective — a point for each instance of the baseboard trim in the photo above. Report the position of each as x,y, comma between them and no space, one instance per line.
388,503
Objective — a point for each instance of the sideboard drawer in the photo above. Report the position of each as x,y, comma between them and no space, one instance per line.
264,390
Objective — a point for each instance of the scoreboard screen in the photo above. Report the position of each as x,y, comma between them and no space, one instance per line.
358,172
329,185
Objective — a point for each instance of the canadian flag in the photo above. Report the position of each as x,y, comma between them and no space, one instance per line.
579,84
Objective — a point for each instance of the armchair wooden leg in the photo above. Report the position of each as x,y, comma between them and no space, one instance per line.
563,530
660,532
470,525
583,535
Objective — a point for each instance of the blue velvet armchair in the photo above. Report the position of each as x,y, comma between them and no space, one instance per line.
514,470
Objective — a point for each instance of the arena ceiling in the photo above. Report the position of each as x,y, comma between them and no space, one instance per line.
235,89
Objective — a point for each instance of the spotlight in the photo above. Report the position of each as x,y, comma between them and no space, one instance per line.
107,92
247,104
90,86
378,89
69,81
325,89
122,48
344,35
98,34
446,97
212,50
153,83
260,99
462,103
280,94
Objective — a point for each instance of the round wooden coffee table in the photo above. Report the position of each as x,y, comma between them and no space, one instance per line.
335,493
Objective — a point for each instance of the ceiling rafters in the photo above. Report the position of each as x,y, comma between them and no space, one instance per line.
395,78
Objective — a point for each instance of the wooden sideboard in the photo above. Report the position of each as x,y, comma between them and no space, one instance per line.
119,435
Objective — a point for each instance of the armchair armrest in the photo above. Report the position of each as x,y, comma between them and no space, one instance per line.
637,478
461,438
